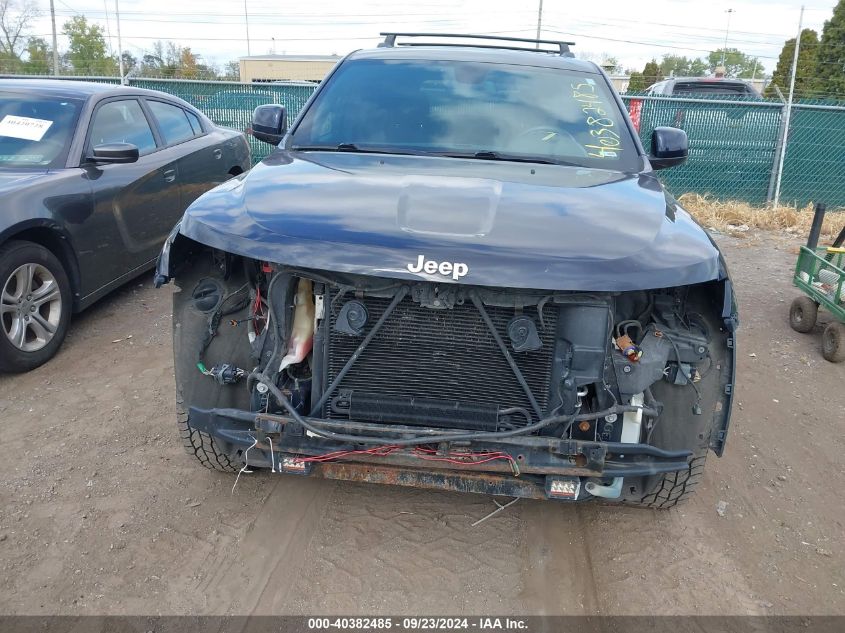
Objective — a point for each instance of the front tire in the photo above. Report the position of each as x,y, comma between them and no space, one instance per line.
203,446
35,305
674,488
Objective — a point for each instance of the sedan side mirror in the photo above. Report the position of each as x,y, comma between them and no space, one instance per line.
669,147
115,153
269,123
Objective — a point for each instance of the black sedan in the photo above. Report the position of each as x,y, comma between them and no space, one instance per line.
92,179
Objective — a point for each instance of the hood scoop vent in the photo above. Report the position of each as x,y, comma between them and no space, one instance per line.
428,206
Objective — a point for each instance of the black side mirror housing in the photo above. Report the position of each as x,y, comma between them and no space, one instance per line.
669,147
269,123
115,153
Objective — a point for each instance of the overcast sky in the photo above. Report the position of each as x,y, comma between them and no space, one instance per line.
633,32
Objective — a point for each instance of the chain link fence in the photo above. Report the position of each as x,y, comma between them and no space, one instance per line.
230,104
735,144
735,147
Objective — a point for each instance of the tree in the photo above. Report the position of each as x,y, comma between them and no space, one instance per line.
651,73
610,64
636,82
640,81
737,63
830,61
681,66
38,57
232,71
130,62
804,76
87,48
16,17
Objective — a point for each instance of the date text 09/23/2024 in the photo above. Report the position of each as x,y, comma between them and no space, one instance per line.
418,623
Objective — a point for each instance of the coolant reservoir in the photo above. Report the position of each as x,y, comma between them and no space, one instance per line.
302,332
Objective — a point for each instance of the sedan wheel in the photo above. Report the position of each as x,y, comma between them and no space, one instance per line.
31,306
35,303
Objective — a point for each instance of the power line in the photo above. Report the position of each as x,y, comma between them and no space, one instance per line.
651,44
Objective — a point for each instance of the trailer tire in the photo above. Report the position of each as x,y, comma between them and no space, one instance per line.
833,342
803,314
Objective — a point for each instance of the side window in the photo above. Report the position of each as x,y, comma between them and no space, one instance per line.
122,122
172,121
195,122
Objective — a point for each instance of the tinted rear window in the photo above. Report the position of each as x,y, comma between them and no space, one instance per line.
172,121
712,88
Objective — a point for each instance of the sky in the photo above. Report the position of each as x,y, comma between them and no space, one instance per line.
632,32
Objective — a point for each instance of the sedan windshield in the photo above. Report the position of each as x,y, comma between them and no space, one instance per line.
35,131
469,110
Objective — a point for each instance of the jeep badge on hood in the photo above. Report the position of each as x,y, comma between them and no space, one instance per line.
444,268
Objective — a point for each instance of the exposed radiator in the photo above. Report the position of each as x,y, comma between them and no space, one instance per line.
444,355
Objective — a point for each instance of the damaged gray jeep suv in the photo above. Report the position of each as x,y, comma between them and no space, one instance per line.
458,270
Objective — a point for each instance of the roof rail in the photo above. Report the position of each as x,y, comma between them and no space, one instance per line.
562,47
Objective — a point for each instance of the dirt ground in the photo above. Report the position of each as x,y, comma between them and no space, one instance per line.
102,513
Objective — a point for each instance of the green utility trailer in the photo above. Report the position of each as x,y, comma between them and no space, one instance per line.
820,274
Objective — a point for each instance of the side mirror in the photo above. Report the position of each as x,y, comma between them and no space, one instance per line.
669,147
115,153
269,123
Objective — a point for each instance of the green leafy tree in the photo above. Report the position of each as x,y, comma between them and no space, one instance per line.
636,82
737,63
682,66
830,61
16,18
805,74
87,51
651,73
38,57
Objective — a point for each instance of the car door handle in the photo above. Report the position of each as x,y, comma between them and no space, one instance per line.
218,153
170,175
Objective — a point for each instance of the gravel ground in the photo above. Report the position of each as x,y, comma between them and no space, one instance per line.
102,513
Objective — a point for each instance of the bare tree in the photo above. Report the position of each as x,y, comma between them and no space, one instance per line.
16,18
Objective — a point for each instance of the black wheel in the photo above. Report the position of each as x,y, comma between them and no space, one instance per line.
802,314
673,488
833,342
203,446
35,305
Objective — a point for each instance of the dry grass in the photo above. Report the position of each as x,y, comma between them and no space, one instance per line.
736,218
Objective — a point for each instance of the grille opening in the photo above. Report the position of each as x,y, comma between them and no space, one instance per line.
444,355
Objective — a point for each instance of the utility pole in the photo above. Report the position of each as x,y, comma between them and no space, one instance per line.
55,44
539,21
727,30
789,107
119,44
246,20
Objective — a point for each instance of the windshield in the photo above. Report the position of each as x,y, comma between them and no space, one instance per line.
35,131
466,108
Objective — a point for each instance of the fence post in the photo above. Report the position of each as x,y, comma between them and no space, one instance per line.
781,139
789,106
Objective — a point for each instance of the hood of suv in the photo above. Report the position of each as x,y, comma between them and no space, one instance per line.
517,225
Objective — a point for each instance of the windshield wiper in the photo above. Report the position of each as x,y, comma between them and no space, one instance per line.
352,148
511,158
483,155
